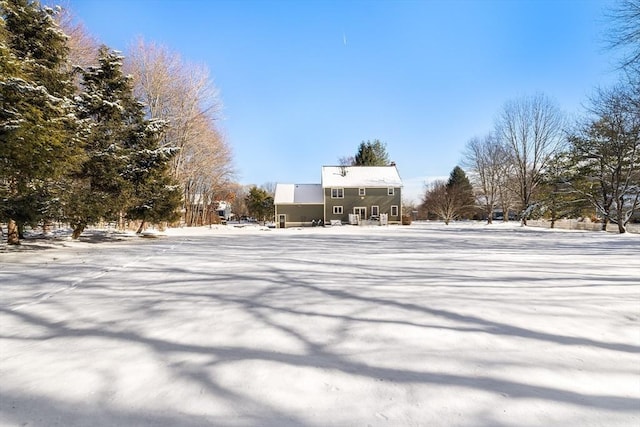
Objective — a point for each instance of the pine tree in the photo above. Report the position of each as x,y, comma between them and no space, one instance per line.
606,155
156,195
37,127
459,184
558,199
259,203
371,154
126,170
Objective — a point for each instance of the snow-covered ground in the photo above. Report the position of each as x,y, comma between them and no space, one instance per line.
425,325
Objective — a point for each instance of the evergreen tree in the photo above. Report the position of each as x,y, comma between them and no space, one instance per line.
126,169
37,141
557,197
371,154
451,200
459,184
259,203
156,195
606,155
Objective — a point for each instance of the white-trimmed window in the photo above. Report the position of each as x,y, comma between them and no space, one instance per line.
391,191
337,193
375,210
362,192
337,210
394,210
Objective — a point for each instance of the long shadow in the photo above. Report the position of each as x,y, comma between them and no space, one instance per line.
29,410
284,283
492,327
332,361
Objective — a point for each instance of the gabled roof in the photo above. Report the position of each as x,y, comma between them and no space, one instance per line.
360,176
298,194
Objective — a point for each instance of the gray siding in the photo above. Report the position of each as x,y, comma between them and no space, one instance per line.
373,197
298,215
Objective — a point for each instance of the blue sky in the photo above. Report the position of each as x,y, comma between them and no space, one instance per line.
304,82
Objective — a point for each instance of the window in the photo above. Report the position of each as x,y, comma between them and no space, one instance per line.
390,191
375,211
337,193
337,210
362,192
394,210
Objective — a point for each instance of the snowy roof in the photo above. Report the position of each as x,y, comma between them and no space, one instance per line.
360,176
299,194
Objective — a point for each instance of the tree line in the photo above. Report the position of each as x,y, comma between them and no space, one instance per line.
88,135
539,164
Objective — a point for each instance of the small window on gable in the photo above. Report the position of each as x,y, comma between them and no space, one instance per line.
362,192
337,193
394,210
337,210
390,191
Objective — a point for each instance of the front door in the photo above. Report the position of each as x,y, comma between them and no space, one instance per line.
361,212
282,218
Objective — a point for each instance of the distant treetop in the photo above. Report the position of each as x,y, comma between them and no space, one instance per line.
370,153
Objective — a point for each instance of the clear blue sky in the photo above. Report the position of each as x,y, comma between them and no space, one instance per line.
304,82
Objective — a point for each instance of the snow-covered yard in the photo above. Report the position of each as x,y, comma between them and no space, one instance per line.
429,325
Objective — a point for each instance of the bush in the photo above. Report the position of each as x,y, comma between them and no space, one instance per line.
406,219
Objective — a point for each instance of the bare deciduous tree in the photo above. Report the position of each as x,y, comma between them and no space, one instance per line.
184,96
444,201
486,157
83,47
625,33
531,130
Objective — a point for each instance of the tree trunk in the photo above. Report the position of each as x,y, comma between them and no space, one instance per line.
77,231
13,237
553,223
605,222
620,217
120,221
505,212
141,227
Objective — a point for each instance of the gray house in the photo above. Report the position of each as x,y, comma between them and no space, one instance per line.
346,194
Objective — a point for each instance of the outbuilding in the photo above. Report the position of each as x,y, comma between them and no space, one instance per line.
298,205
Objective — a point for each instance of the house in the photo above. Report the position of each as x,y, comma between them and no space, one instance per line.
347,194
224,210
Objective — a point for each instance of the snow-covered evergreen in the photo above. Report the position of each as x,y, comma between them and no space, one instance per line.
37,125
126,171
